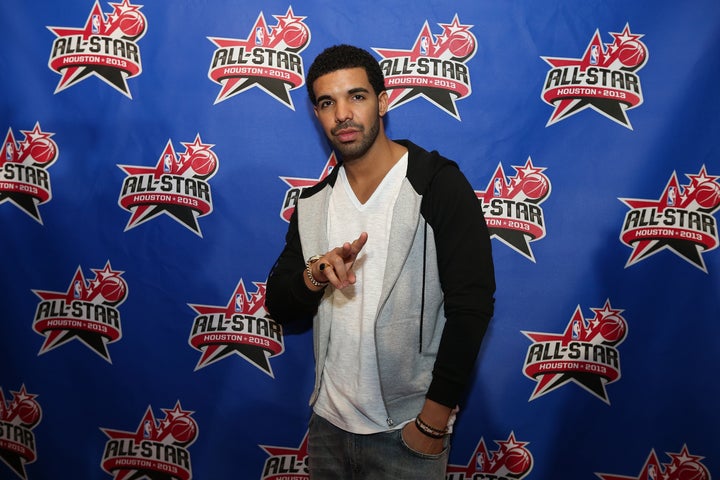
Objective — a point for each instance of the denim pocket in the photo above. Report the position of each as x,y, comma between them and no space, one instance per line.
428,456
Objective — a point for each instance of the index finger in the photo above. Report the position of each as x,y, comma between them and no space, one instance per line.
359,243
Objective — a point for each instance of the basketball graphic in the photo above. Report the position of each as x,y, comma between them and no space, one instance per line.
132,24
613,328
517,460
203,162
461,45
707,195
631,54
43,151
295,35
183,429
691,471
113,289
29,412
535,186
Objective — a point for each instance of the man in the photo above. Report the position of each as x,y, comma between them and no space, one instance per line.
391,257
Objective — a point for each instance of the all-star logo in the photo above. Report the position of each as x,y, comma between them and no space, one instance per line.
24,179
156,450
297,185
435,68
269,58
683,466
176,186
512,206
286,463
105,47
603,79
510,461
681,220
241,327
86,311
585,353
18,418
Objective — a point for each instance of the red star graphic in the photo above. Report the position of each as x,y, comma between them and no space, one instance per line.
674,196
171,415
229,85
96,24
302,183
652,470
283,21
170,163
118,10
148,429
596,55
239,303
439,48
484,462
30,136
266,37
299,182
512,189
578,329
449,30
9,152
299,453
76,290
8,413
101,275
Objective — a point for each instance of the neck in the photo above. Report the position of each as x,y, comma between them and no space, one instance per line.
365,173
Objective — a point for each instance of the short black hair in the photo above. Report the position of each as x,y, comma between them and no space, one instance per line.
340,57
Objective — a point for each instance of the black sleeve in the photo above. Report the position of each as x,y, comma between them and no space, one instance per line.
467,278
287,298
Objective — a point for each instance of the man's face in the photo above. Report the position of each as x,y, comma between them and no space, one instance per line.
349,111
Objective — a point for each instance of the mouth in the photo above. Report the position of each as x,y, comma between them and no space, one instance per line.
347,131
347,135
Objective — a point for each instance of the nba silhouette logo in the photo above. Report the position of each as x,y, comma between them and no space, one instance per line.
480,460
594,55
239,302
671,196
497,187
651,472
167,163
9,152
424,45
95,24
259,36
77,290
146,429
576,330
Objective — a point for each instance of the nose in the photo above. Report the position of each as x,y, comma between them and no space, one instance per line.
343,112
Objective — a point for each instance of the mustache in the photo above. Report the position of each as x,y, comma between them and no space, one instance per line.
345,125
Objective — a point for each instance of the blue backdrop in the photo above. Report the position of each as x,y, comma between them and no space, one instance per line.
151,158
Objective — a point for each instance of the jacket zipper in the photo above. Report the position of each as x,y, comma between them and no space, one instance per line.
422,293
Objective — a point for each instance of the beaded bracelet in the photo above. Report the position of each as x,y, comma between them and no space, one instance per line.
428,430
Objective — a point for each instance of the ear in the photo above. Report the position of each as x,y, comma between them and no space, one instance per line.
383,103
315,109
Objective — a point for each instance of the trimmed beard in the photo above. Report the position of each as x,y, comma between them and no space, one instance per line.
349,152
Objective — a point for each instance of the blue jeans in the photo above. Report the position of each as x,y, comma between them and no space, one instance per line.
336,454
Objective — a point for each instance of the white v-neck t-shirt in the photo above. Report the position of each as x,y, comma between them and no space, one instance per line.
350,396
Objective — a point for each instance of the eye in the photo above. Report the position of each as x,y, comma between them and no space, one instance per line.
324,103
358,97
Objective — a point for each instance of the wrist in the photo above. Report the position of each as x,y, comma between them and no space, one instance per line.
429,430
